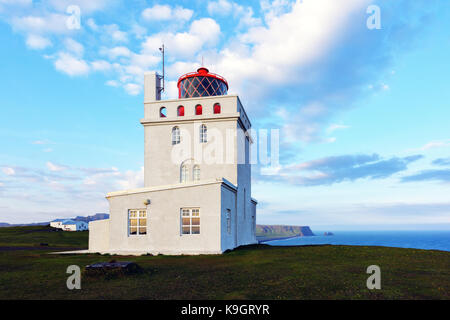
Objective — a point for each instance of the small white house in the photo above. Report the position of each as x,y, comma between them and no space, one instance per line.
57,223
70,225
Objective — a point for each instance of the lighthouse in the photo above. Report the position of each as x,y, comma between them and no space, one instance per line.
196,197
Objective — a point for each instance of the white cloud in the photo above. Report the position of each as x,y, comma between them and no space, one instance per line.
132,88
41,142
16,2
334,127
91,24
220,7
8,171
205,28
229,8
277,8
101,65
114,53
131,179
86,6
180,13
74,47
157,12
435,144
71,65
112,83
115,33
74,191
55,167
202,32
166,12
53,23
37,42
138,31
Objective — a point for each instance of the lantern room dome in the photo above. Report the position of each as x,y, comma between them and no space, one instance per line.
201,84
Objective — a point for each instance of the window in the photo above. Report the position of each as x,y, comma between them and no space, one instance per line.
203,134
196,173
217,108
228,221
137,222
180,111
184,174
190,221
198,109
175,135
163,112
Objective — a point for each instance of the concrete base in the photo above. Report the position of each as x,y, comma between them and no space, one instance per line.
135,252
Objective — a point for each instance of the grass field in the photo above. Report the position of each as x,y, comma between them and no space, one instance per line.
27,271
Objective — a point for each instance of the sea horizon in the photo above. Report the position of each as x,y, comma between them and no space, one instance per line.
415,239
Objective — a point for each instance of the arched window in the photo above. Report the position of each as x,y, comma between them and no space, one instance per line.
163,112
217,108
175,135
198,109
196,173
184,174
203,134
180,111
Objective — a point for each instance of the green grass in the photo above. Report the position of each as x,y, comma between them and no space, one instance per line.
35,235
255,272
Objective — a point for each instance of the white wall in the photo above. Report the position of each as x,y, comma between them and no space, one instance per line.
163,220
99,235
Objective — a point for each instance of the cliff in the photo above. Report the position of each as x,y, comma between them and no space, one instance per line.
280,231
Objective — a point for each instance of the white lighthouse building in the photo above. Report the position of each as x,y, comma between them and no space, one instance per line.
196,197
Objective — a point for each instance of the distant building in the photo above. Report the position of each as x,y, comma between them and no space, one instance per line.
57,223
189,205
70,225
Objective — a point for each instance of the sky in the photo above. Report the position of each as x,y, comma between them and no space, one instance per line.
359,91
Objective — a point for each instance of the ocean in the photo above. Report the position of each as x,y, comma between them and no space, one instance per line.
431,240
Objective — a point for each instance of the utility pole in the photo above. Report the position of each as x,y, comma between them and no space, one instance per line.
163,74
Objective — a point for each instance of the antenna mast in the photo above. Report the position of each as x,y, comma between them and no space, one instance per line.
163,75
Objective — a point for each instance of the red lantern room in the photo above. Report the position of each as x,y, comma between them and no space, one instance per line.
201,84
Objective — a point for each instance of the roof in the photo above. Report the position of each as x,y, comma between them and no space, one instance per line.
67,222
202,72
171,186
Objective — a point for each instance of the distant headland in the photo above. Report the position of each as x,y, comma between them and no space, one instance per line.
273,232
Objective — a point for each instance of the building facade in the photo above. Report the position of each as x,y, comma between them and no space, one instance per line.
196,197
69,225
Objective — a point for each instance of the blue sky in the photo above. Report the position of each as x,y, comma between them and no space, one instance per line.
363,113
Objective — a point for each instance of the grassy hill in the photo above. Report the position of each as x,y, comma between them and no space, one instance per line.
27,271
35,235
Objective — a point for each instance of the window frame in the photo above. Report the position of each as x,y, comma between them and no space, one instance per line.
190,211
196,173
176,136
203,134
138,219
184,173
198,110
219,108
161,115
180,111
